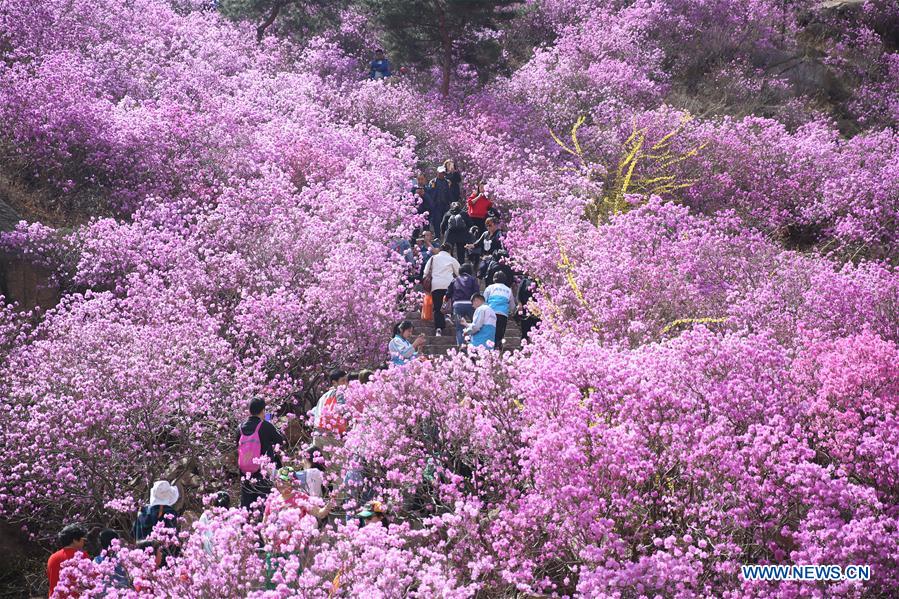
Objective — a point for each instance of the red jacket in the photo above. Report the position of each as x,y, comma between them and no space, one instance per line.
54,565
478,205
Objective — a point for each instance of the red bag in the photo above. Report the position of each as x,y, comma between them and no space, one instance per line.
427,308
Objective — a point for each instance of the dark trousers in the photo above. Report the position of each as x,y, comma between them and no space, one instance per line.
437,296
461,310
460,251
254,489
526,325
475,259
479,223
500,330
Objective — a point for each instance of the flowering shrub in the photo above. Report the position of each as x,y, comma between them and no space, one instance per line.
713,381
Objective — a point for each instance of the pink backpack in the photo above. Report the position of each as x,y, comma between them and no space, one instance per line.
248,449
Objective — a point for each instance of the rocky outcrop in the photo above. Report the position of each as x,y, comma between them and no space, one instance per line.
21,281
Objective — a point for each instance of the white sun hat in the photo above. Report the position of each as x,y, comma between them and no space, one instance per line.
163,493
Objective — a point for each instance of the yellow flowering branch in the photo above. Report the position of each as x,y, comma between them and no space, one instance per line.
640,171
568,269
680,321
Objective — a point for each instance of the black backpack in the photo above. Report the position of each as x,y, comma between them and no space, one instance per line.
457,223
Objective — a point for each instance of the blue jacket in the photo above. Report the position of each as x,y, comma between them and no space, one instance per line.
401,351
379,69
483,327
500,298
441,196
427,202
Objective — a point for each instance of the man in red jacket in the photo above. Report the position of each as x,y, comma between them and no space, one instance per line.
72,539
478,206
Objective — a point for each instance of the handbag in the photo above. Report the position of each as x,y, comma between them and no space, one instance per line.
426,280
427,308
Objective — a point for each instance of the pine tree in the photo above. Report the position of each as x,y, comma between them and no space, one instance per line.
300,18
428,32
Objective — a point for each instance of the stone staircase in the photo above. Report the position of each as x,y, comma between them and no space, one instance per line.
438,346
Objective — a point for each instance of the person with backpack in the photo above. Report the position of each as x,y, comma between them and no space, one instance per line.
163,497
499,263
454,229
257,437
459,294
71,541
478,207
441,270
500,297
327,422
482,330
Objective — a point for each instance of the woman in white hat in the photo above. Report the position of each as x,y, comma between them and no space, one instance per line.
163,496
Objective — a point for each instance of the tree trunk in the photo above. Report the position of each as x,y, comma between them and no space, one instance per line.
260,31
446,46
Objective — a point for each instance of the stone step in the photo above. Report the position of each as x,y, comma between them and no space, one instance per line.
416,320
450,331
451,340
418,323
444,349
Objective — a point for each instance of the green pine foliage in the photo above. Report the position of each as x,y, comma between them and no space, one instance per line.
425,33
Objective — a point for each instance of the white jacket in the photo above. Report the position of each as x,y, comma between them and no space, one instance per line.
443,268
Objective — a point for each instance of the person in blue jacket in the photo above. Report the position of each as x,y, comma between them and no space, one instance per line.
499,296
380,66
482,329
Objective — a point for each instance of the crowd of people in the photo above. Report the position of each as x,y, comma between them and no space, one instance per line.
275,475
460,253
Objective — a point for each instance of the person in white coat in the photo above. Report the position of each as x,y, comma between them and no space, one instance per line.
442,268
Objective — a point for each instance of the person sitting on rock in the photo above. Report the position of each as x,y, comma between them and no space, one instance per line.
401,348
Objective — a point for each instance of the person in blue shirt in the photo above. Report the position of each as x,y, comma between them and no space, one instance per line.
119,578
500,297
402,350
380,66
482,329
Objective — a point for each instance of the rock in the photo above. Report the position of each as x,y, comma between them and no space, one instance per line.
20,280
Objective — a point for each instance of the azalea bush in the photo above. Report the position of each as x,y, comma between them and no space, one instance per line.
713,381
